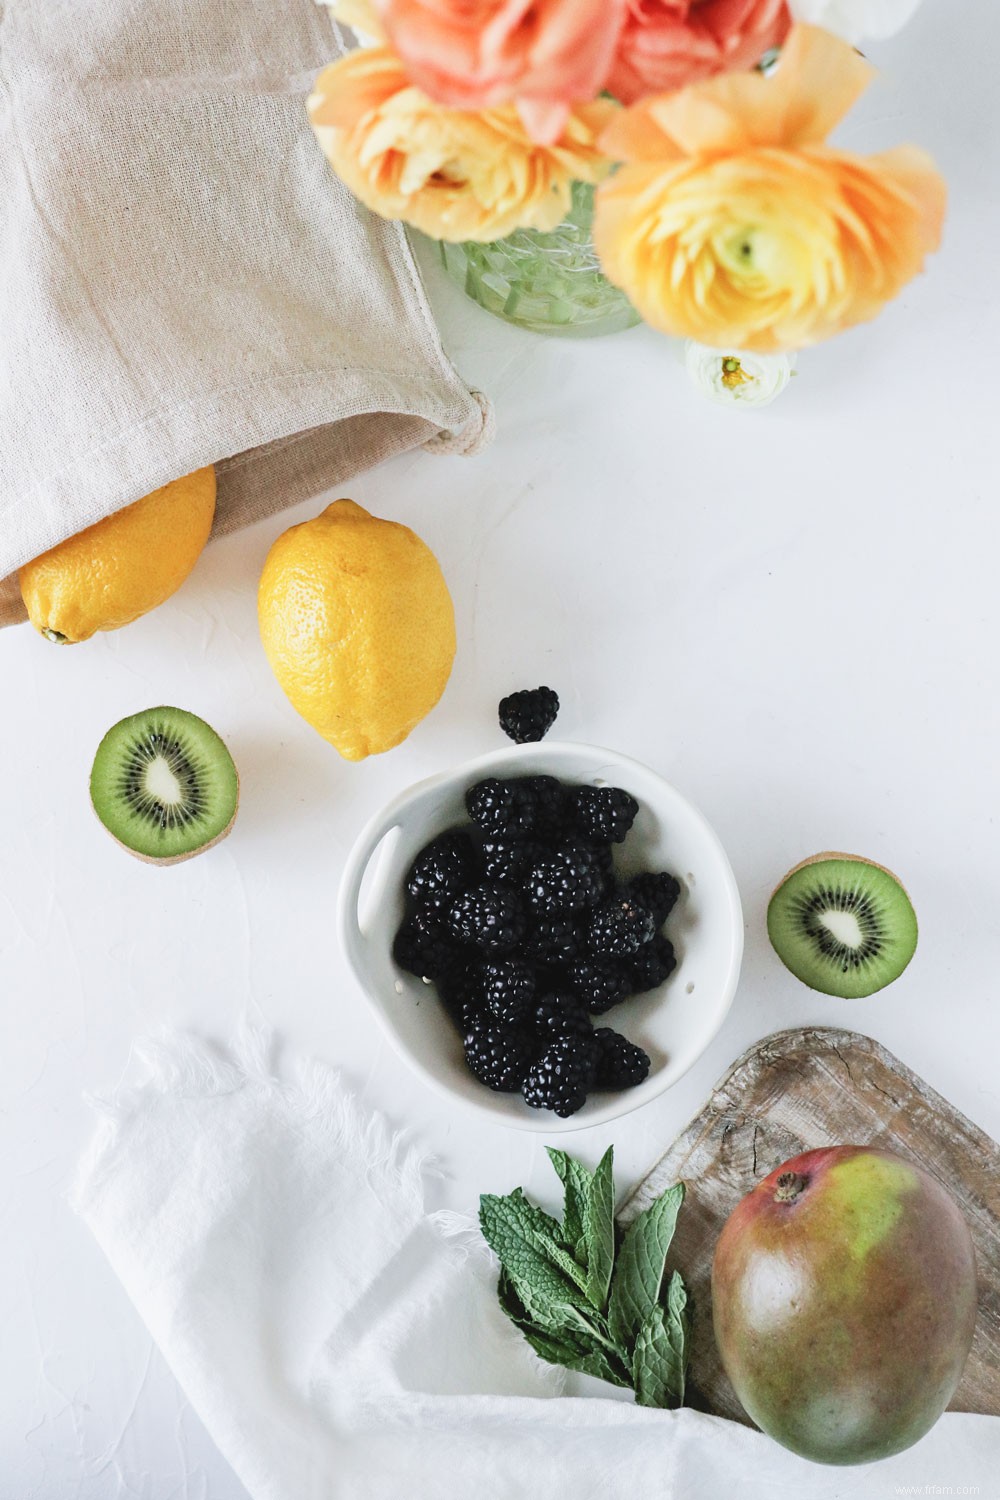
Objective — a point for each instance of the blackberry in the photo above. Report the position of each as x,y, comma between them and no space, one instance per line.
658,893
423,946
560,1014
488,917
525,806
561,1076
460,990
652,965
620,1063
529,715
553,940
446,866
566,879
507,989
549,803
599,983
499,1057
619,928
604,813
604,859
509,860
494,807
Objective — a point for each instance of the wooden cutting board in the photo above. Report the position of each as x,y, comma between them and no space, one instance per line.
821,1086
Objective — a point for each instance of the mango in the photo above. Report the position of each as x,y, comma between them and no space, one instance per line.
844,1303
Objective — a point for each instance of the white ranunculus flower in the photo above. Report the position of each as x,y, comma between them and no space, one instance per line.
855,19
737,378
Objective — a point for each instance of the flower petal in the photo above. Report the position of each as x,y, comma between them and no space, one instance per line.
816,82
455,174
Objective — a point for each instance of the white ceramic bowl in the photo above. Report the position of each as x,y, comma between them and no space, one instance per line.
674,1024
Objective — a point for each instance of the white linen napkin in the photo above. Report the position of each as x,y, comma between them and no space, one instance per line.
339,1342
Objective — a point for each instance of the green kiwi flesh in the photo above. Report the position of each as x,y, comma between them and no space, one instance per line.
164,785
843,925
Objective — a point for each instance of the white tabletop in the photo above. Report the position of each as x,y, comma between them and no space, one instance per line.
792,614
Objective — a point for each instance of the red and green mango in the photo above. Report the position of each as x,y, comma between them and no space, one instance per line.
844,1303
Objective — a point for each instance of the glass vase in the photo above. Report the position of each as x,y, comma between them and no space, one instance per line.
547,282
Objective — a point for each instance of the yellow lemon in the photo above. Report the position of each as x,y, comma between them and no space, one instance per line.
358,625
123,566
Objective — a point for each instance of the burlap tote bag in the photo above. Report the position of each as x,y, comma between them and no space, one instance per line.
182,279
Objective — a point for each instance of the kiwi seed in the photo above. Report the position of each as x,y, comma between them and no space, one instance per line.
164,785
843,925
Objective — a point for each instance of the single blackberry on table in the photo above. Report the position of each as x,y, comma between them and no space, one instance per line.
527,716
509,860
490,917
603,813
566,879
599,983
445,867
423,946
507,988
619,927
620,1064
559,1014
553,940
657,892
560,1077
499,1056
652,965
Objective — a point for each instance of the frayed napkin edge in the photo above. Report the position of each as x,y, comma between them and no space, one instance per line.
171,1063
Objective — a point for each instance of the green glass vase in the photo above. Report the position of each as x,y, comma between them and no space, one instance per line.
547,282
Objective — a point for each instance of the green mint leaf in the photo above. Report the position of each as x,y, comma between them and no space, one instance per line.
556,1312
543,1222
551,1231
576,1180
638,1274
596,1362
679,1328
564,1318
659,1360
524,1240
599,1231
572,1345
576,1305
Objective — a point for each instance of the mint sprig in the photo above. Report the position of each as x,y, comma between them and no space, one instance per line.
642,1262
584,1294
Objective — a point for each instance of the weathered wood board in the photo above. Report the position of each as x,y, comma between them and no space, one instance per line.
821,1086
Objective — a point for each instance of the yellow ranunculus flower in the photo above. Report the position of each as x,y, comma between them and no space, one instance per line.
732,223
455,174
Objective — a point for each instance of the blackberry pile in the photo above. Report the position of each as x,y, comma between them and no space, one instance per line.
523,925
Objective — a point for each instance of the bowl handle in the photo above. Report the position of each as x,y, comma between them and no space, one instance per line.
400,813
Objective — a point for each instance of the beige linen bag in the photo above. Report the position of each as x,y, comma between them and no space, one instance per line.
183,280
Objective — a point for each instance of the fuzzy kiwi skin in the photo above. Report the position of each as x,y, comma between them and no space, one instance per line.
869,864
174,859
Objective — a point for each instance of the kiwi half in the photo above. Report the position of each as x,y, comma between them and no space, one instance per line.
164,785
843,925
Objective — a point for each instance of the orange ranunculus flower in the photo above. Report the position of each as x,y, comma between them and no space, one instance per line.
475,54
732,223
666,44
455,174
